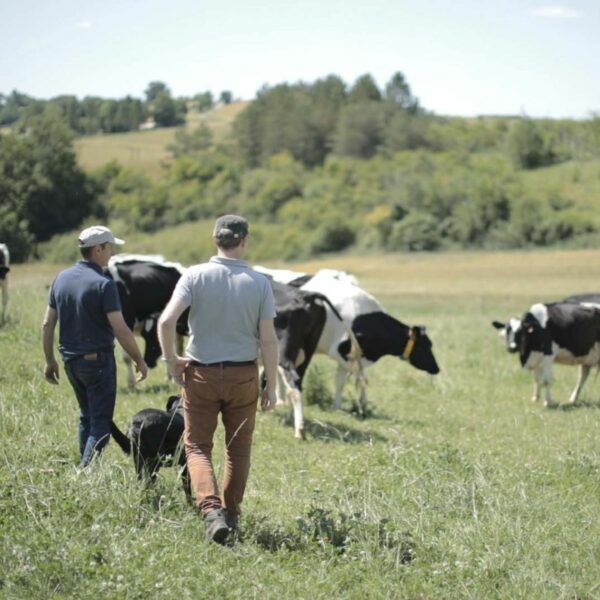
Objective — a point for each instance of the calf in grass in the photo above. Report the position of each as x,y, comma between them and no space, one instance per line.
154,439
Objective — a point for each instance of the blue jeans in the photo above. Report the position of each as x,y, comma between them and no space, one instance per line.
95,385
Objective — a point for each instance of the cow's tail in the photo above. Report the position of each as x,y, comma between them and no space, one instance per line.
355,355
121,439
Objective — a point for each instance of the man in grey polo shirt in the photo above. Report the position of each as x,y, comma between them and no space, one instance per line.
231,317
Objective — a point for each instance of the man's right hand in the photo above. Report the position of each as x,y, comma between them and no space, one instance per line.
142,370
268,399
51,372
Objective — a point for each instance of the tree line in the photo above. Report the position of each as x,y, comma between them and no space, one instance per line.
325,166
92,115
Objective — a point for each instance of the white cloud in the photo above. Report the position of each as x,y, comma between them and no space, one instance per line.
557,12
84,25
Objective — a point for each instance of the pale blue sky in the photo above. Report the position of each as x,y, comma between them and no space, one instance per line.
462,57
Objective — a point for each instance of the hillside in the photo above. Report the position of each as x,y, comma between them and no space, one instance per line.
147,150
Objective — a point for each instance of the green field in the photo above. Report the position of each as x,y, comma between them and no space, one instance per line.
147,150
455,487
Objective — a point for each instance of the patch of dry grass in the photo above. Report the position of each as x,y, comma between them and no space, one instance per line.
147,150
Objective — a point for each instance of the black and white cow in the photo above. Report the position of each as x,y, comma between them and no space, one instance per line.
145,285
563,332
4,269
299,324
378,333
585,299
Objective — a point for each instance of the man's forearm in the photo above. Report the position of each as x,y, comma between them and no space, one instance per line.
270,355
166,337
48,341
126,338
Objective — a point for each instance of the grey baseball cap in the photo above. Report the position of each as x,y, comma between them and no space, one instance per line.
97,234
230,226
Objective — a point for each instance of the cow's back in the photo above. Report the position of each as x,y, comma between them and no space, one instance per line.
148,285
348,299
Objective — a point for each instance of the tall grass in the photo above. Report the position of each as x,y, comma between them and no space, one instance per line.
456,486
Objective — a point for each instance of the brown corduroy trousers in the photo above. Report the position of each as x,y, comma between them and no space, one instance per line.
233,392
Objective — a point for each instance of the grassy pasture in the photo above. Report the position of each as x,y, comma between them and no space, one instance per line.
147,150
455,487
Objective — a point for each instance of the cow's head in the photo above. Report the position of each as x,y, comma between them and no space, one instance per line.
510,332
418,350
379,334
3,271
530,338
149,332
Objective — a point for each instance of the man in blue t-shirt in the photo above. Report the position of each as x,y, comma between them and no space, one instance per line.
86,305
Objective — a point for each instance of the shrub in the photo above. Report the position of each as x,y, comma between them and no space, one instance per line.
417,231
528,147
333,237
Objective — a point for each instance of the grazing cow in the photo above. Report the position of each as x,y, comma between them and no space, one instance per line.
564,332
145,285
4,269
376,332
299,323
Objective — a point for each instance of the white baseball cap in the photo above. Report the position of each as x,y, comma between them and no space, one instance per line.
97,234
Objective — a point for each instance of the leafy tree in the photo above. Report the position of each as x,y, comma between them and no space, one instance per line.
154,89
527,145
398,91
359,130
364,90
203,101
226,97
43,190
164,110
13,106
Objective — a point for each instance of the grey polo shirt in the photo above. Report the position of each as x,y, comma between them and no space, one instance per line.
227,299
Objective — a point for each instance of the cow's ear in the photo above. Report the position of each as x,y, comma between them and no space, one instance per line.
498,325
171,401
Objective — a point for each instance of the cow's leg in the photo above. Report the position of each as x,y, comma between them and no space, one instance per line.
547,380
537,384
340,379
296,399
584,371
362,400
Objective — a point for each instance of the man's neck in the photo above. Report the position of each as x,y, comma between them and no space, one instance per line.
95,262
235,253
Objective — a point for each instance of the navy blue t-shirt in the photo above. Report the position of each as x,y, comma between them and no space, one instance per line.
82,295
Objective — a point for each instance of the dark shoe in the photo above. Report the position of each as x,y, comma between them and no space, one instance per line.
233,521
217,529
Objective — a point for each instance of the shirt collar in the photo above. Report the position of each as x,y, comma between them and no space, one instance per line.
91,265
230,262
